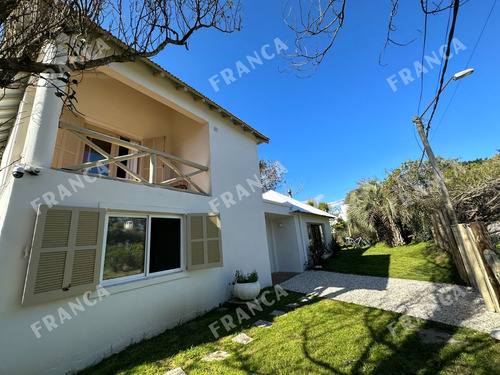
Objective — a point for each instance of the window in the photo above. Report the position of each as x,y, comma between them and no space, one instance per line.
315,233
75,248
138,246
90,155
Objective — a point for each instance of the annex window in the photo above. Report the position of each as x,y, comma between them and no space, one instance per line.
315,234
139,246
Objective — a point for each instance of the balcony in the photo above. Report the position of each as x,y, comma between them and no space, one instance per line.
122,133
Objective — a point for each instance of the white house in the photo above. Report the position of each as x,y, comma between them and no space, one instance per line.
291,226
120,196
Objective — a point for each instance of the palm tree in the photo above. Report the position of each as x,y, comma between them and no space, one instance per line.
370,211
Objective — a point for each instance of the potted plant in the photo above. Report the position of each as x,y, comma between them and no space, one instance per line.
246,286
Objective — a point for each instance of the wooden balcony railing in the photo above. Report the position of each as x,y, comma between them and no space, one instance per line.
141,151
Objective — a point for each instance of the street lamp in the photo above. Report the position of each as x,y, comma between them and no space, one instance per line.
450,211
455,77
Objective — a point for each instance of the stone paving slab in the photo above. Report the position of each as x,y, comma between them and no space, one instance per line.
431,336
262,324
176,371
242,339
278,313
219,355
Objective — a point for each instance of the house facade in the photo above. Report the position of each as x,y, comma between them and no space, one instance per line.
291,226
120,226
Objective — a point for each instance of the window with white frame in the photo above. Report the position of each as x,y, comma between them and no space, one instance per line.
315,234
137,246
76,248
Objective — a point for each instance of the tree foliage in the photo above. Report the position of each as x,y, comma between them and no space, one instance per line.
272,174
399,209
372,213
323,206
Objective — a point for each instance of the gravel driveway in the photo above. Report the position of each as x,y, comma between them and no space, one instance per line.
446,303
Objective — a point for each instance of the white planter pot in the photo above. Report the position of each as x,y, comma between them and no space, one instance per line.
247,291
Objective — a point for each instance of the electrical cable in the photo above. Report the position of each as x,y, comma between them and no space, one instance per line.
466,66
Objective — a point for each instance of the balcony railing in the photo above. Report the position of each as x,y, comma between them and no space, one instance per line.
141,151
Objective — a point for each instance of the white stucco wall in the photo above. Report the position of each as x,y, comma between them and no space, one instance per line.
290,243
142,308
285,248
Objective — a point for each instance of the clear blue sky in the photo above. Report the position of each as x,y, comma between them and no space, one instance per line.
345,122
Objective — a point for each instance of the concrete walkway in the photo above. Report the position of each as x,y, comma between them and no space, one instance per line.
446,303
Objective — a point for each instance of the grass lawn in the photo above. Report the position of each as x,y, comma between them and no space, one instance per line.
321,337
423,261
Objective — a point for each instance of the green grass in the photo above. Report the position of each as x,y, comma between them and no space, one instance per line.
424,261
321,337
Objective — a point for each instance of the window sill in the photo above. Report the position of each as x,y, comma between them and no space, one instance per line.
124,286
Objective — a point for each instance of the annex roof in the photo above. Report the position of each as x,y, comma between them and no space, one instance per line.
272,196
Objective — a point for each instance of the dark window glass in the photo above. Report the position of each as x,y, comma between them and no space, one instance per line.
315,232
165,248
121,152
90,154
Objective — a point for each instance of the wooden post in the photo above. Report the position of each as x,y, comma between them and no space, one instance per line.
152,169
483,242
450,215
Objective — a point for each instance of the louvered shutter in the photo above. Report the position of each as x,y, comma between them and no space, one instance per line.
67,151
65,255
204,241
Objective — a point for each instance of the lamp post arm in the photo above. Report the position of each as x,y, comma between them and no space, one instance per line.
433,100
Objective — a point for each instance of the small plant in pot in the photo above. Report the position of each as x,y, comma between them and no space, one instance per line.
246,286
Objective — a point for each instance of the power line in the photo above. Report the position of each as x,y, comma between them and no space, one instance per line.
466,66
446,36
456,6
423,56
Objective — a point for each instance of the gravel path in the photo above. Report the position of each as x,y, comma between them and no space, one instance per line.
446,303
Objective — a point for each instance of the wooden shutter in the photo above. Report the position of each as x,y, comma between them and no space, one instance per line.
204,241
68,150
65,257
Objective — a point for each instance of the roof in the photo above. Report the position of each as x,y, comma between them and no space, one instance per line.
197,96
272,196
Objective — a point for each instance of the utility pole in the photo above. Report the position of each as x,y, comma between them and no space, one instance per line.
448,206
450,214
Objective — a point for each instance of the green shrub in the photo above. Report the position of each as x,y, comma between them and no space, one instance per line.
241,278
335,248
316,252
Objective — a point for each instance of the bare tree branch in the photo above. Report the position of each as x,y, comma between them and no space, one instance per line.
321,20
83,27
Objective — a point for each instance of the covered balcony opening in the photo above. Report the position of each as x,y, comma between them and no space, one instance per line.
123,133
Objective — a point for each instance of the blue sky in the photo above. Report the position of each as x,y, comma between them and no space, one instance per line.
345,122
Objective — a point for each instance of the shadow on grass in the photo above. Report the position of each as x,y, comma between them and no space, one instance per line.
424,261
381,353
356,262
439,266
321,336
195,338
